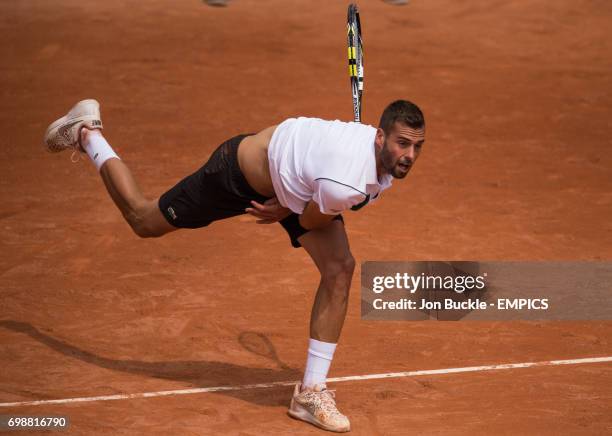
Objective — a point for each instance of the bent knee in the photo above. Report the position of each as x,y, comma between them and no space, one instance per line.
143,231
140,228
142,221
339,271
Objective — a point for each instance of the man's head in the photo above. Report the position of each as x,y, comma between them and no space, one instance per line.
399,138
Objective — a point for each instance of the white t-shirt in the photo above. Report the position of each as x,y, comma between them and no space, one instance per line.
330,162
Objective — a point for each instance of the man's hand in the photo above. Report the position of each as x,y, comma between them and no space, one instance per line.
269,212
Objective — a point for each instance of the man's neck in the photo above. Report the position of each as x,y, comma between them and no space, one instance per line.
380,170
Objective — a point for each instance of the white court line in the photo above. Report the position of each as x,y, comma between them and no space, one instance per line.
290,383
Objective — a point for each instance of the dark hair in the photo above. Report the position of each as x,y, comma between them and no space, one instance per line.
403,111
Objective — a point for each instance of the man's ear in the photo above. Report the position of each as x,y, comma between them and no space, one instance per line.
380,138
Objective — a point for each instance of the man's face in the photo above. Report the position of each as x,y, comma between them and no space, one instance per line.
399,149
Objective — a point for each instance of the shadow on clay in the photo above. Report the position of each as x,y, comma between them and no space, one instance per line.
197,373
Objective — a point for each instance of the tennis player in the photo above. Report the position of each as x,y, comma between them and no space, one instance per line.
303,173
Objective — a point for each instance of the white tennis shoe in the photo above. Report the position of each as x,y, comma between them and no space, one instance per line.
318,407
64,132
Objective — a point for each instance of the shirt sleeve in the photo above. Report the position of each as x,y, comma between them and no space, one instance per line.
334,197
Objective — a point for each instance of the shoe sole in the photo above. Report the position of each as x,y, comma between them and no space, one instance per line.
297,411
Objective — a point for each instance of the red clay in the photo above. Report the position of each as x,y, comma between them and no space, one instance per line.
516,166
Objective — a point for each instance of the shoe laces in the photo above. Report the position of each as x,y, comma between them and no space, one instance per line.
77,149
331,397
325,400
76,153
332,392
328,403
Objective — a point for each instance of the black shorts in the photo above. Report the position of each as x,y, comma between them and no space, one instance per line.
217,191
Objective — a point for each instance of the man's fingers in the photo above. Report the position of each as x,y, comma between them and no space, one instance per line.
259,214
269,212
266,207
257,206
271,208
251,211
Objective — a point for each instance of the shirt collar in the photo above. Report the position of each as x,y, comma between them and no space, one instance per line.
386,181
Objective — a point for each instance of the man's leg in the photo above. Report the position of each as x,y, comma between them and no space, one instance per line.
143,215
79,130
329,249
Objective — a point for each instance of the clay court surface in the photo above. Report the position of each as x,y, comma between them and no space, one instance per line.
517,166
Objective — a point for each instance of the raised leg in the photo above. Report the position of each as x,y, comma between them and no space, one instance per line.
143,215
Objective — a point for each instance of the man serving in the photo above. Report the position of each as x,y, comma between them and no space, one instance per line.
303,173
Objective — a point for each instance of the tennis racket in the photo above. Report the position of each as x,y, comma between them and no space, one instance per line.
355,58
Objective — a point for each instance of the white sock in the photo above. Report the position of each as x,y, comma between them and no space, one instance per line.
320,355
98,150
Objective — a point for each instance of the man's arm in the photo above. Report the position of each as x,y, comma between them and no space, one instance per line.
269,212
312,218
329,199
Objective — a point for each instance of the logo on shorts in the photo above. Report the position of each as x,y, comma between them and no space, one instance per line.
171,212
